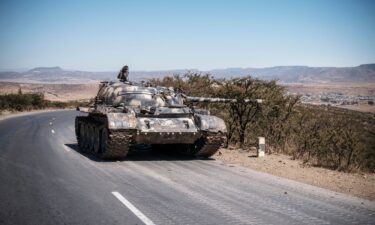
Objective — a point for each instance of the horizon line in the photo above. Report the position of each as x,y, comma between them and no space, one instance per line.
189,69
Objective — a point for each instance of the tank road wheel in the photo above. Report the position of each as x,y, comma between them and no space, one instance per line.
96,135
90,138
85,137
103,140
82,139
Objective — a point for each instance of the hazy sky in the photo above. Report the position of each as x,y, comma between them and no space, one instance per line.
154,35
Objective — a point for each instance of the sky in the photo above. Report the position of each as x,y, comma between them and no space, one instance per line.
185,34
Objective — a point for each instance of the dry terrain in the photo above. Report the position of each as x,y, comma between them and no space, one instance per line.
363,89
66,92
53,92
357,184
354,89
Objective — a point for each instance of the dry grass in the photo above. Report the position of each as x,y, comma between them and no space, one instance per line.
360,108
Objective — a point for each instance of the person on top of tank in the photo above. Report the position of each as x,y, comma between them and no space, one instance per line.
123,74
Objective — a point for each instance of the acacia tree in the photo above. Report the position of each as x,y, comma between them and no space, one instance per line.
241,113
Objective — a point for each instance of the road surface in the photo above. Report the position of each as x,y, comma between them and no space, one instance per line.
44,179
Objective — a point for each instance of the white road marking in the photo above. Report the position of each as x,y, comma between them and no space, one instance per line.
50,123
132,208
52,131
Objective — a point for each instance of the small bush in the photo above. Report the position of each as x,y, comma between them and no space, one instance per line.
31,101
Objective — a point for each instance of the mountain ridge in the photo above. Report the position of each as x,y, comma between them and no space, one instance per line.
285,74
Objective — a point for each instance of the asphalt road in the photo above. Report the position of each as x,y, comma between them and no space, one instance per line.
44,179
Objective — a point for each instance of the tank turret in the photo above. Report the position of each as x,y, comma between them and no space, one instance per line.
124,114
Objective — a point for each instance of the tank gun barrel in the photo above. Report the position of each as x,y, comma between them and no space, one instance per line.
220,100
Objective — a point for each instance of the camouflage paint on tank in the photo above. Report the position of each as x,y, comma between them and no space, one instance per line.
156,114
125,113
122,121
210,123
175,125
126,105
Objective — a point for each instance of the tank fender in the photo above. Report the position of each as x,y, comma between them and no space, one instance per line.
210,123
121,121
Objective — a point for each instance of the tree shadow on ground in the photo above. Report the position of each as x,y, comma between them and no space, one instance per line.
140,153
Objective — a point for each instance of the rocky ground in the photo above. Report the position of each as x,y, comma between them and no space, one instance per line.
357,184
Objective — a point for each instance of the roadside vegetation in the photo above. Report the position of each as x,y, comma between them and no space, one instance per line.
323,136
31,101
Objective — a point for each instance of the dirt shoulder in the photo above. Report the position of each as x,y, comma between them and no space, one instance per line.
358,184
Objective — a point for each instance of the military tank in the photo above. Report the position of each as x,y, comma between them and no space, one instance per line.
126,114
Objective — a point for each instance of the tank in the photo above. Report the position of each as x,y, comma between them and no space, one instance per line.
126,114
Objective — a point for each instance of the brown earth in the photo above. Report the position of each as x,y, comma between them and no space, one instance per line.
363,89
353,89
53,92
357,184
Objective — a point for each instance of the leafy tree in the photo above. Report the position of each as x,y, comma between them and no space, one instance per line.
241,113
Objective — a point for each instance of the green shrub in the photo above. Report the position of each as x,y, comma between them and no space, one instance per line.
32,101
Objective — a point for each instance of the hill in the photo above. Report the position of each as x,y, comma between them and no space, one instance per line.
285,74
304,74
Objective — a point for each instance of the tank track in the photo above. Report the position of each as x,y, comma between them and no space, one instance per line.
117,141
117,145
209,144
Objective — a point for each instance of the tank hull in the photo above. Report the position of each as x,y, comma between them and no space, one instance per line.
109,136
125,114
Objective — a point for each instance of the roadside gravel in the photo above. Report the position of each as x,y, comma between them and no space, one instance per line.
357,184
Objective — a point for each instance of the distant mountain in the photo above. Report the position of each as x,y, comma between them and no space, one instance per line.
305,74
55,69
286,74
58,75
55,75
